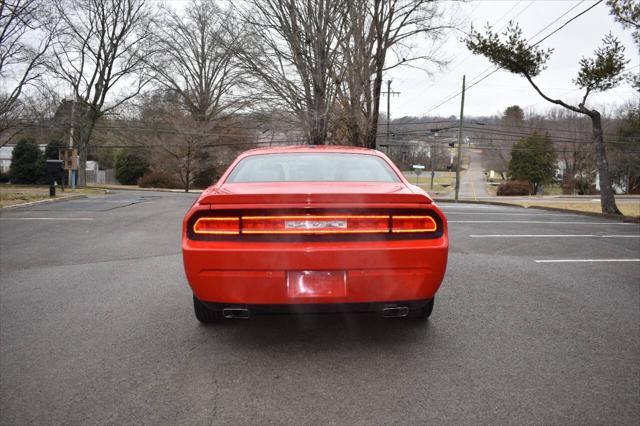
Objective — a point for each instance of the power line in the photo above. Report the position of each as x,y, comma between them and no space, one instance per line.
495,23
483,130
537,43
525,130
505,148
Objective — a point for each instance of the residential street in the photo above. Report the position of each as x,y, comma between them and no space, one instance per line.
97,327
473,184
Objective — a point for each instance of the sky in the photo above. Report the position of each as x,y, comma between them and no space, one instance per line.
420,91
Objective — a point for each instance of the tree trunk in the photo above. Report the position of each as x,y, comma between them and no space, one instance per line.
377,89
607,197
82,157
86,127
187,181
319,129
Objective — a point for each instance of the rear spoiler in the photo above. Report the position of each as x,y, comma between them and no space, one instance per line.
326,198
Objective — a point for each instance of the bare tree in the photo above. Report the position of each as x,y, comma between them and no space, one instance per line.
99,50
195,59
196,66
602,72
22,50
380,36
296,55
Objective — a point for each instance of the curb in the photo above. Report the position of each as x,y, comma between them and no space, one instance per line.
628,219
117,188
45,201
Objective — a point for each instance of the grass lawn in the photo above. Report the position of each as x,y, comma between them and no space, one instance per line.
19,194
631,209
442,183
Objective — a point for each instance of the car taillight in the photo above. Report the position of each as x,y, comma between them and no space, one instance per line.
339,224
217,226
315,224
413,224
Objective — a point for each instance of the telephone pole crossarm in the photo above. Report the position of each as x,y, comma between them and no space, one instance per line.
388,93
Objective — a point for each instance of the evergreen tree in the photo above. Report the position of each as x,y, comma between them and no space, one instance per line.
130,166
26,163
533,160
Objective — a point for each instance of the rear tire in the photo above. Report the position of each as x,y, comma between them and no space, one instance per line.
204,314
423,313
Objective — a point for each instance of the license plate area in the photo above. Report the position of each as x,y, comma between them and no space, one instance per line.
302,284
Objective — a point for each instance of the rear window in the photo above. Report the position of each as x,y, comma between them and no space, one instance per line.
312,167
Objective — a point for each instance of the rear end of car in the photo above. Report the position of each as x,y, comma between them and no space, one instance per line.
313,246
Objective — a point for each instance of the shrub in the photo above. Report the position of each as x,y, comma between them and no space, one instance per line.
51,152
26,163
4,177
131,165
205,177
158,179
513,187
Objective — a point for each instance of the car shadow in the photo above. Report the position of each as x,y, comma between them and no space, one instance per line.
321,332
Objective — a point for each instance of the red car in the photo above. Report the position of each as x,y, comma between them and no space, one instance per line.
313,229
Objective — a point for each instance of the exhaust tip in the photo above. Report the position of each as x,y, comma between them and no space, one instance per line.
235,313
395,312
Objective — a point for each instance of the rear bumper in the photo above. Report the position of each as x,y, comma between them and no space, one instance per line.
316,308
256,273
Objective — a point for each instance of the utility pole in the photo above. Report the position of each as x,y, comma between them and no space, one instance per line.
388,93
460,130
431,155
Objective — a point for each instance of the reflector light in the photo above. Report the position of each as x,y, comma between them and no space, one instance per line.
413,224
338,224
217,226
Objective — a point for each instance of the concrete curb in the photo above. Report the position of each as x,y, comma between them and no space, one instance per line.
126,188
629,219
45,201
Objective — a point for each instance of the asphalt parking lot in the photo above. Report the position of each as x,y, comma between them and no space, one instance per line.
96,326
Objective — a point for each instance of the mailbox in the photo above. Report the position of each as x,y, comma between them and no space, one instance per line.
55,167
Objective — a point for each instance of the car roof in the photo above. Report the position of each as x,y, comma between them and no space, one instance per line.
291,149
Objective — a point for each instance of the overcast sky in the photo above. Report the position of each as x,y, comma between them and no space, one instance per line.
421,92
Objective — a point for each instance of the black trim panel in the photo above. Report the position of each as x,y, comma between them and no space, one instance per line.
312,211
318,308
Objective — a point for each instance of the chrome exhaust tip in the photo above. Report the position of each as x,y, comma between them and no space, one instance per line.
235,313
395,312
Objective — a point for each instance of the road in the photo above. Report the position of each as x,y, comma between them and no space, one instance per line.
472,182
96,327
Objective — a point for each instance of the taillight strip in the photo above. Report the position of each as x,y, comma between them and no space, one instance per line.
348,224
302,217
419,221
232,228
359,224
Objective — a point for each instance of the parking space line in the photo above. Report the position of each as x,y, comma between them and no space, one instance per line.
551,236
49,218
584,260
511,214
445,206
542,222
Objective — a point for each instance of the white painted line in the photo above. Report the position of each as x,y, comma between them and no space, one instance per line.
512,214
585,260
551,236
445,206
540,221
48,218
